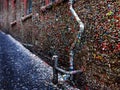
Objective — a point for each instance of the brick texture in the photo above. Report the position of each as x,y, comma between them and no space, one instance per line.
52,30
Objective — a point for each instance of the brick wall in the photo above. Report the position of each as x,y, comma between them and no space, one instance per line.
52,30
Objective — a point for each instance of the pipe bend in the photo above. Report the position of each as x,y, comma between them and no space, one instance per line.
81,27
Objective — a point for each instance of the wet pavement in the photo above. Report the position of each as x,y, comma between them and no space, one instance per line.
20,69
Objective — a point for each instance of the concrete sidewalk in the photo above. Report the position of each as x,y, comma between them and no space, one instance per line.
20,69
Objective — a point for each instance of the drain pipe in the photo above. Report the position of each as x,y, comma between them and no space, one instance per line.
55,60
56,69
79,33
78,36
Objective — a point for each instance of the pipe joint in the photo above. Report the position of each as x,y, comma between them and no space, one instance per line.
54,57
81,27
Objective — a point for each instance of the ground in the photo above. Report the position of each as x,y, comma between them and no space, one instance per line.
20,69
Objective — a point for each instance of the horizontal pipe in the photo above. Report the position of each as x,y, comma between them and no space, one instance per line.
22,18
26,17
55,58
68,72
13,23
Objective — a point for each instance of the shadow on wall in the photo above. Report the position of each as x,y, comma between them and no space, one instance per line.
4,30
2,27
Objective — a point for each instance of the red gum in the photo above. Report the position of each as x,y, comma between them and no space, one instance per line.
46,2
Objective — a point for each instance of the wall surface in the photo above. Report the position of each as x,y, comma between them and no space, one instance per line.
52,30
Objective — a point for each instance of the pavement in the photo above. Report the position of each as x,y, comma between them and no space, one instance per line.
20,69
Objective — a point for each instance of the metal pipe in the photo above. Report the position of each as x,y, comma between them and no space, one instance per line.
71,61
55,71
55,60
68,72
81,26
78,36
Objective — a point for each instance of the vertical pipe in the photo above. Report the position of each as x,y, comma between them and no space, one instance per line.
71,60
79,33
71,64
71,51
55,71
